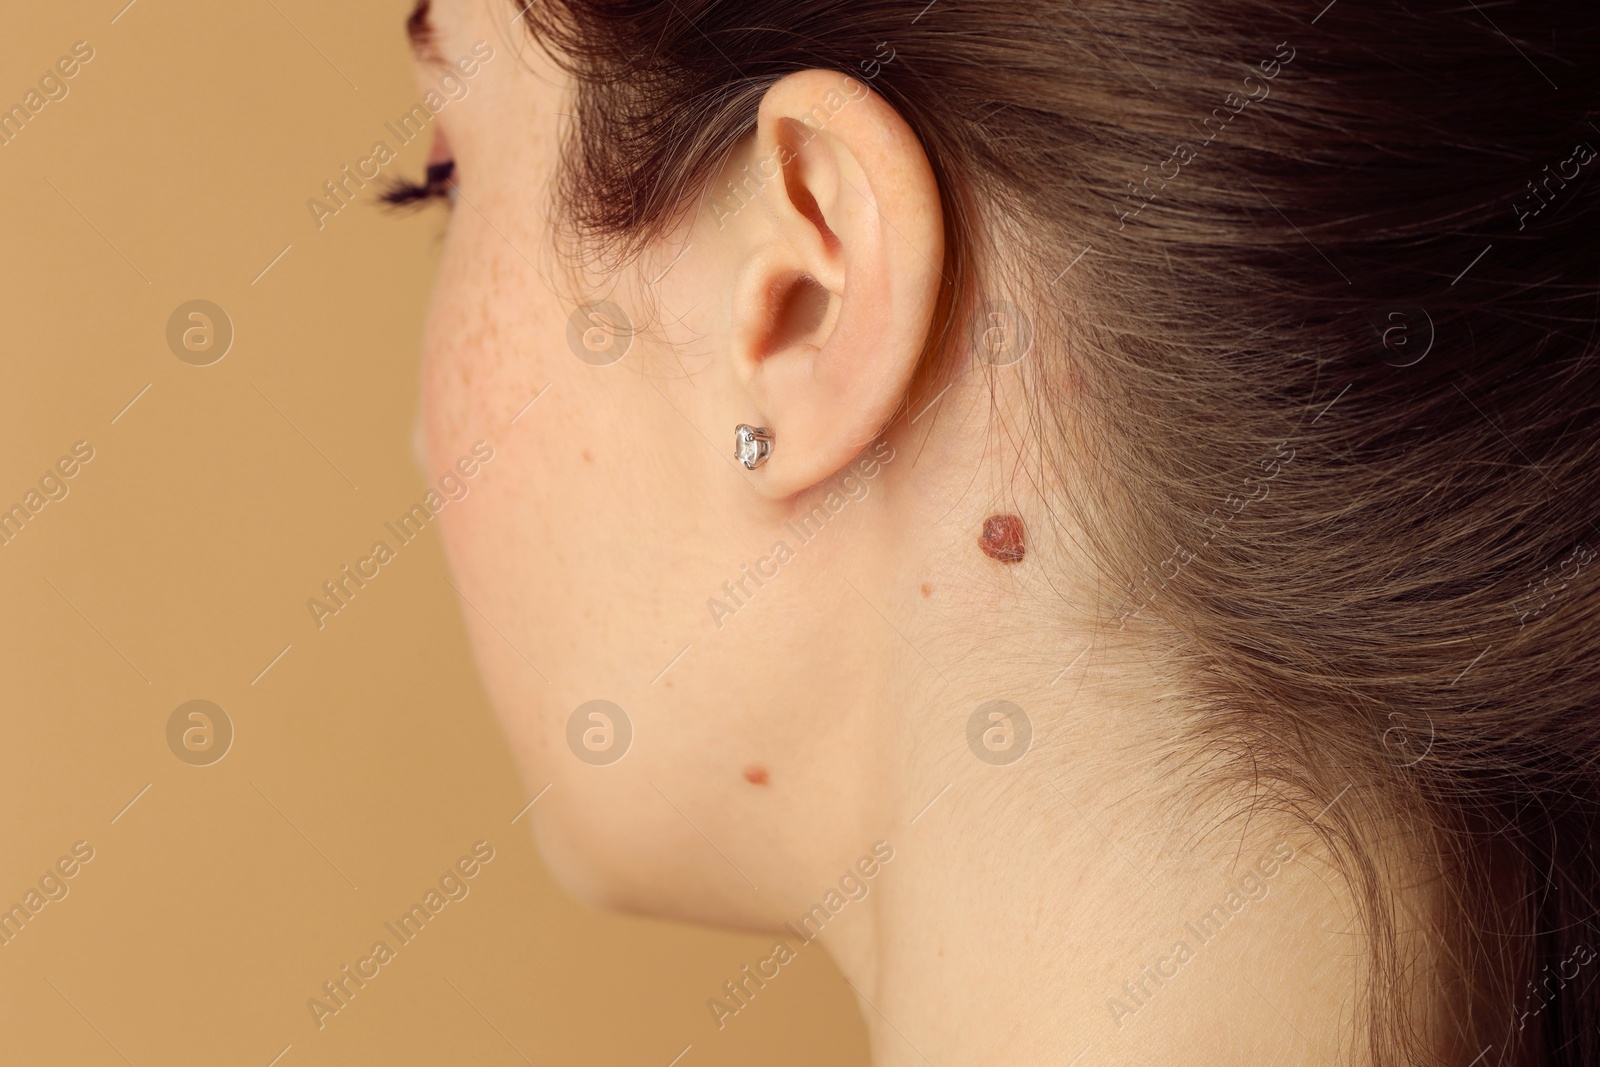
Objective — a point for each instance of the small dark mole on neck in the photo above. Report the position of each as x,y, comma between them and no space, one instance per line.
1003,538
927,590
755,774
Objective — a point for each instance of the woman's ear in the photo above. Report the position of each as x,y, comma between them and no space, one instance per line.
837,221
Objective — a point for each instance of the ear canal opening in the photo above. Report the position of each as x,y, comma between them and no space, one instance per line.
798,309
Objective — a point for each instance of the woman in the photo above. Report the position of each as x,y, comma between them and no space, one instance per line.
1082,511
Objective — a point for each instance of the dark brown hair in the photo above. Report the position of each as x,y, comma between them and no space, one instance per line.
1315,300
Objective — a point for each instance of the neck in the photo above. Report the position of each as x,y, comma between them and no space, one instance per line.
1078,906
1102,899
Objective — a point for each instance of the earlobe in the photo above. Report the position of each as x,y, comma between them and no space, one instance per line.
839,269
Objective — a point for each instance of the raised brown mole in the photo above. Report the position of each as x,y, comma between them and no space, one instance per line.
1003,538
755,774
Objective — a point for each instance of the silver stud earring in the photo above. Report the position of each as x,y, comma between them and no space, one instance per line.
751,445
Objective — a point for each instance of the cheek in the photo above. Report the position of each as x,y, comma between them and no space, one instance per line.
586,555
556,555
582,560
486,357
553,550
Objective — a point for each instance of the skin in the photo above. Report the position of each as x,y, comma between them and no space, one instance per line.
1020,897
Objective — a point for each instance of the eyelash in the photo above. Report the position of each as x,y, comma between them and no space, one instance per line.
439,184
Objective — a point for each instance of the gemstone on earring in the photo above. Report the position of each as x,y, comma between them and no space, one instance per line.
751,445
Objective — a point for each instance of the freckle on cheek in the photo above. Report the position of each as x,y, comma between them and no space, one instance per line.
755,774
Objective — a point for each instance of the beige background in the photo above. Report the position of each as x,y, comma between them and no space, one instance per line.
178,567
